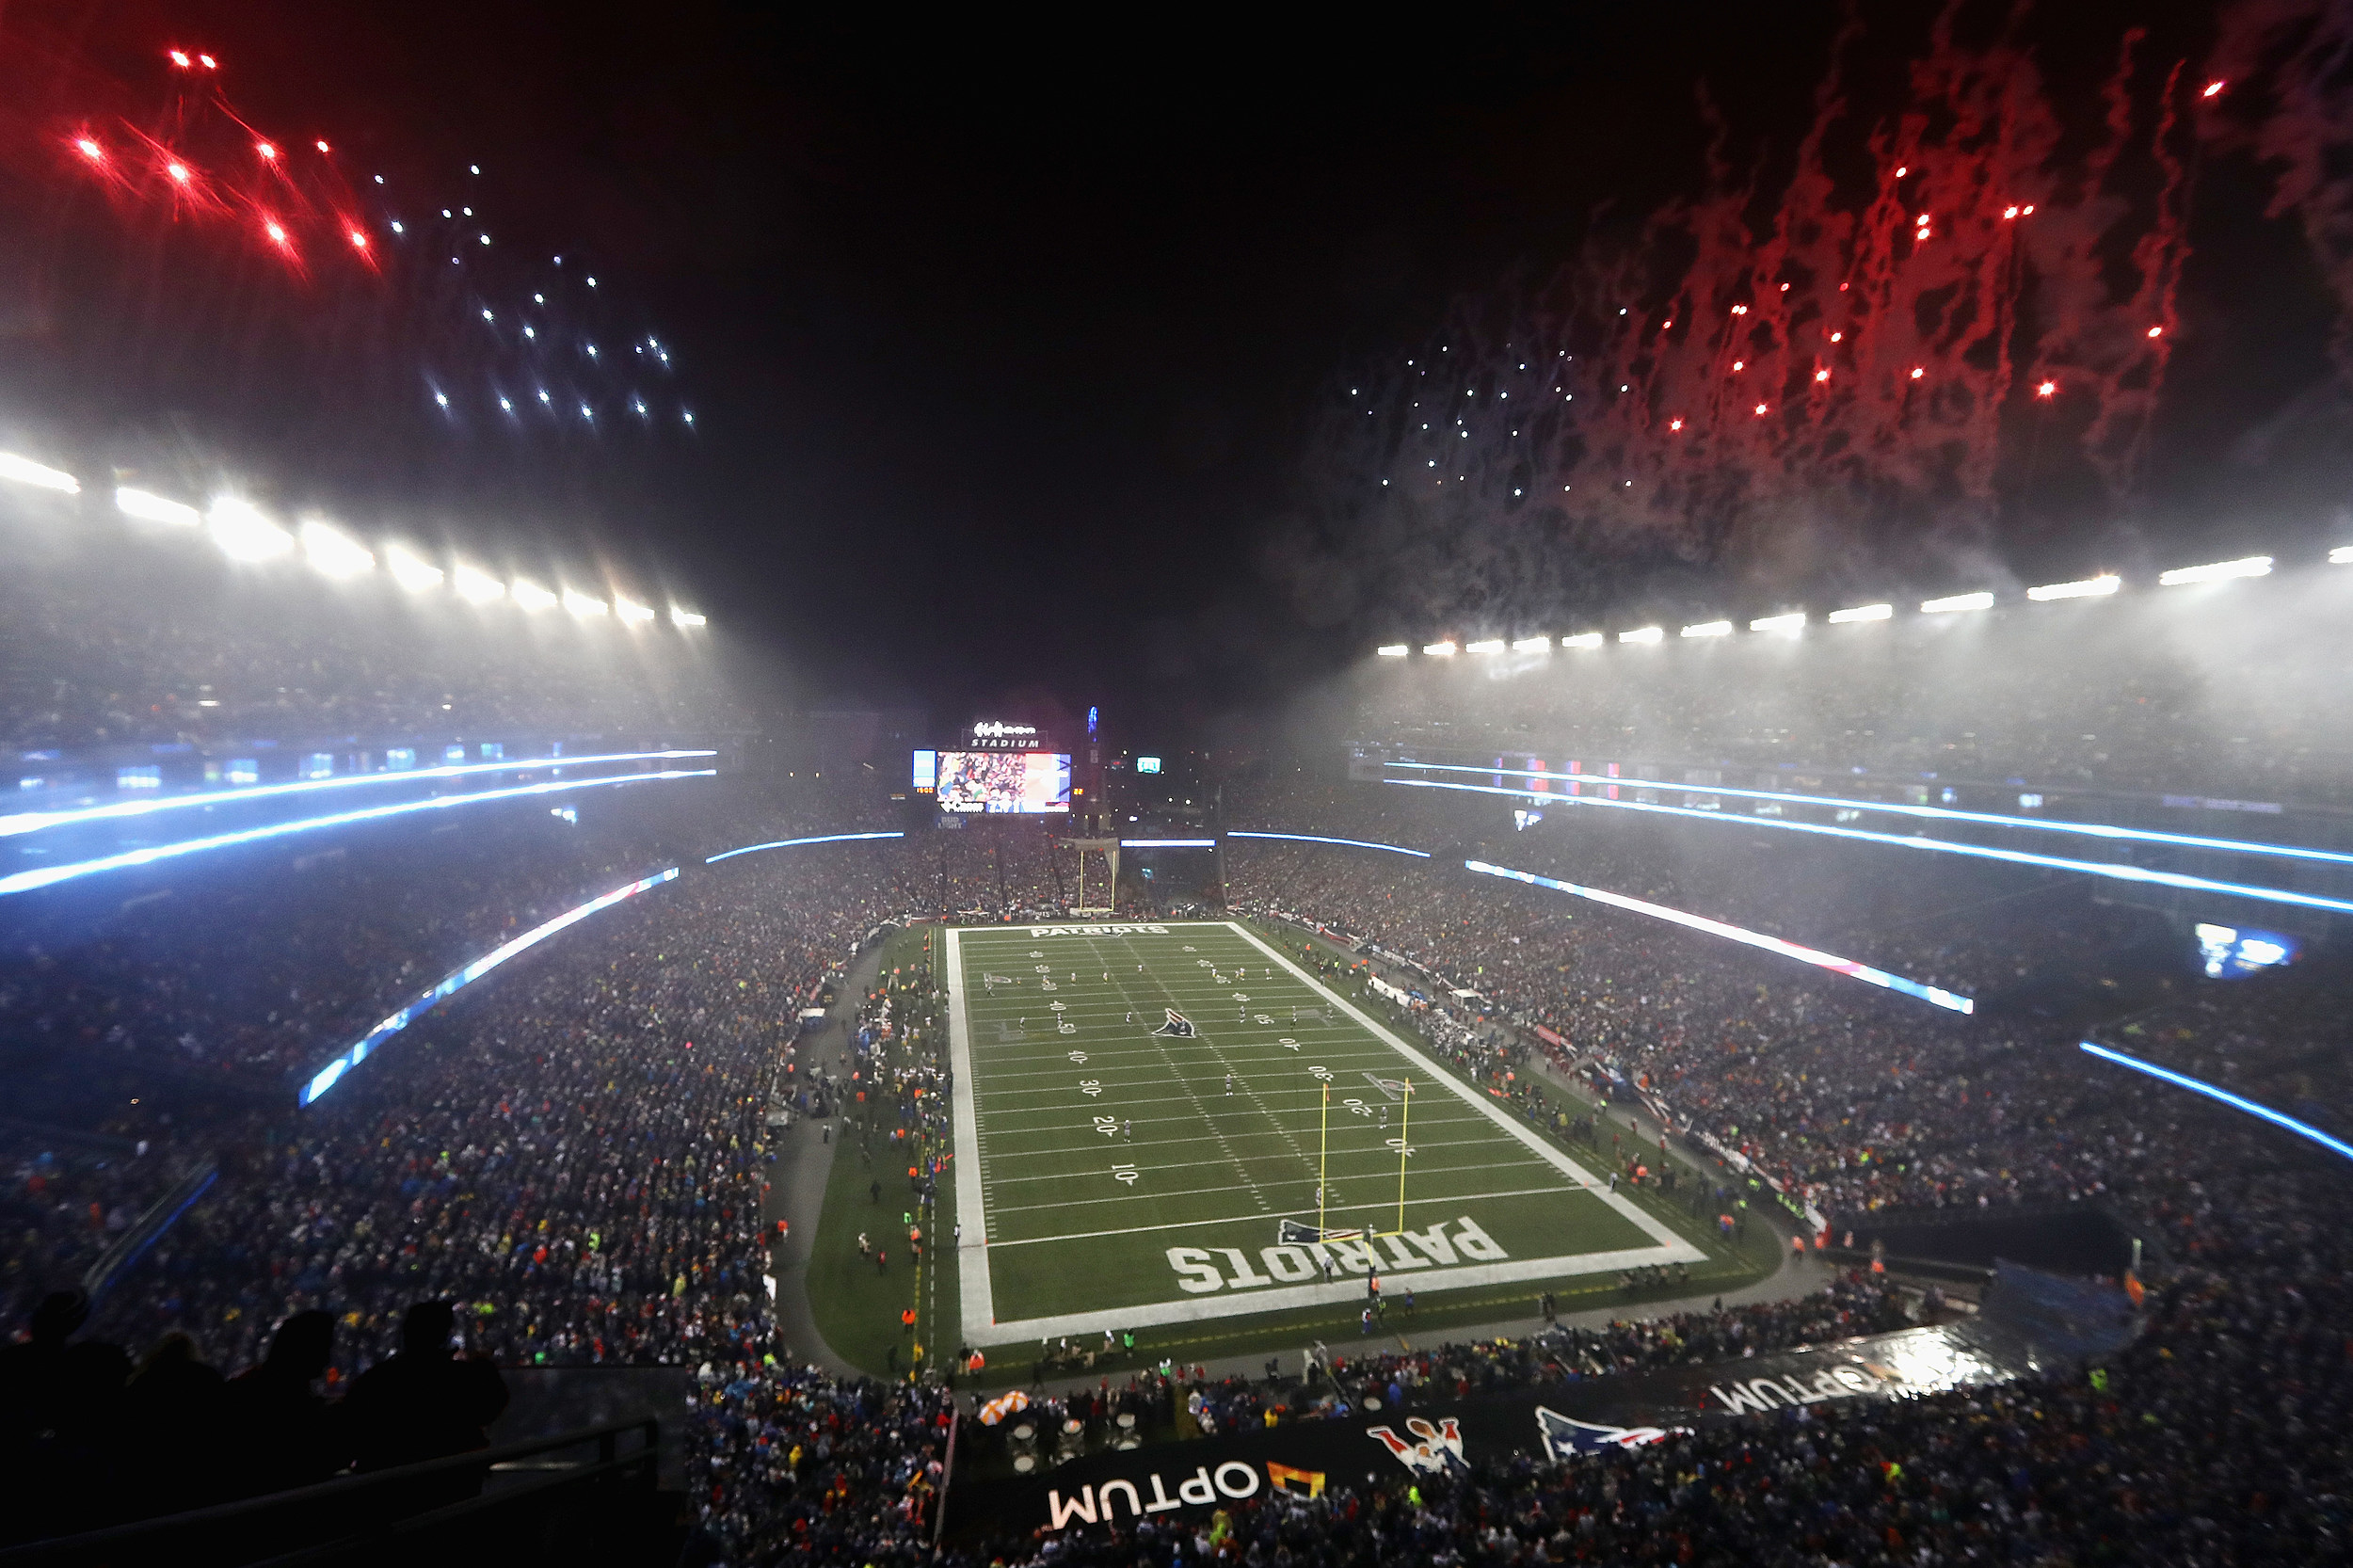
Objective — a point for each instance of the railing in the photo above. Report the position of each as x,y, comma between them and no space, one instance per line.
501,1504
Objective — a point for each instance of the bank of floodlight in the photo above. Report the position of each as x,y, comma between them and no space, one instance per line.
1956,604
1439,650
1709,629
40,476
584,607
334,552
2342,555
411,573
1582,639
531,595
1531,644
1789,625
477,588
1393,651
630,613
2220,572
1861,612
2090,587
687,617
1490,645
154,508
244,533
1642,635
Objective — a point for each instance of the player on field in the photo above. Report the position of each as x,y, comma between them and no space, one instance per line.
1229,1084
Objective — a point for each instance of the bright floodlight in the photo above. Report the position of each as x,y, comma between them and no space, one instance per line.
2253,565
2090,587
687,617
1642,634
1709,629
478,587
24,470
1955,603
1493,645
1861,611
244,534
531,595
335,552
1393,651
2342,555
1583,639
154,508
409,572
1531,644
1792,622
631,613
1439,650
581,605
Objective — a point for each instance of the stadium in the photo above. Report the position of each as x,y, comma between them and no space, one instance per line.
560,1002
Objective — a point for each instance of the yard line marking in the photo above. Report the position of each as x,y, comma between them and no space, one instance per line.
1649,1256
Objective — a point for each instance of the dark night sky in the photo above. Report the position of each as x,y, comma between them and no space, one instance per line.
1004,339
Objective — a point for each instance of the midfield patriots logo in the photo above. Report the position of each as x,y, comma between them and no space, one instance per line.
1566,1437
1429,1449
1177,1024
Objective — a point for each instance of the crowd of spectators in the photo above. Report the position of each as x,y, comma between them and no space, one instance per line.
2227,695
575,1159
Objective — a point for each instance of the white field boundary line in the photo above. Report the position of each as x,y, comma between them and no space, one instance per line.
1232,1219
1307,1182
980,1322
979,1305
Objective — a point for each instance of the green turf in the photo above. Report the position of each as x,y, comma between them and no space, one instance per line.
1125,1182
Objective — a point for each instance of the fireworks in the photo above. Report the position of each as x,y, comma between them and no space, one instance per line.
1883,350
211,213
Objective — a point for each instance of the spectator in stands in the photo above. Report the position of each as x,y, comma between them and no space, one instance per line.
426,1402
282,1432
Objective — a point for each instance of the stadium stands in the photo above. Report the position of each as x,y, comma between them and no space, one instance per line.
571,1155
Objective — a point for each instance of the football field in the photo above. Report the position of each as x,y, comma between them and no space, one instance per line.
1118,1170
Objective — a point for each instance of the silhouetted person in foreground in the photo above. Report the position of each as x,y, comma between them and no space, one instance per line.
425,1402
60,1406
172,1427
281,1432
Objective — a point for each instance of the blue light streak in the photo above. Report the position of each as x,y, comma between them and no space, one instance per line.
791,844
328,1076
1979,851
1936,813
1950,1001
1320,839
25,881
2236,1102
34,822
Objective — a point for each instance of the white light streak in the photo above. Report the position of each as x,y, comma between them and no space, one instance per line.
1531,644
1709,629
2220,571
1393,651
332,551
531,595
1861,611
2090,587
410,571
1439,650
478,587
582,605
154,508
631,613
1582,639
687,617
24,470
1957,603
1490,645
1642,635
1792,623
244,534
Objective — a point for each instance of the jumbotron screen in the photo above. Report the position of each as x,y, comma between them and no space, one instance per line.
1009,782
